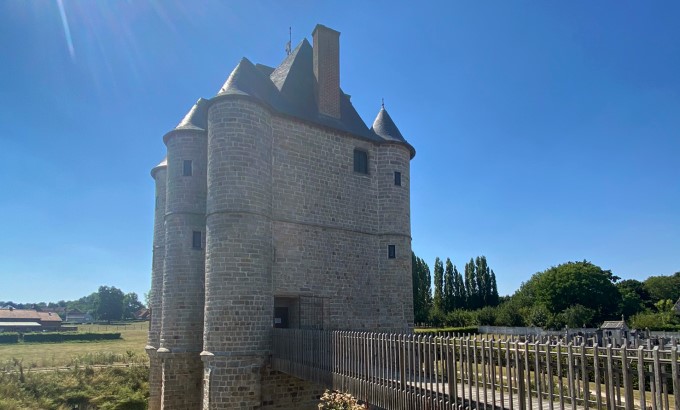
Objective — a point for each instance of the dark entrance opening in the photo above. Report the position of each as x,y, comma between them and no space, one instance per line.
281,317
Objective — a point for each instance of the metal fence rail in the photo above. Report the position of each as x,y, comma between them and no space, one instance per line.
406,371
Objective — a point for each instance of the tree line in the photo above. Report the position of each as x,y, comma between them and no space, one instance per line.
473,289
573,294
107,303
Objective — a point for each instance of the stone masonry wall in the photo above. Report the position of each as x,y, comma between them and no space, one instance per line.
330,234
395,227
183,281
155,302
239,303
283,392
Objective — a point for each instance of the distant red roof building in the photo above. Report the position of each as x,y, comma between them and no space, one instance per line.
143,314
28,319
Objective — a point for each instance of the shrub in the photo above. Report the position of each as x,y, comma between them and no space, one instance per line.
486,316
335,400
6,338
448,331
57,337
461,318
653,321
510,314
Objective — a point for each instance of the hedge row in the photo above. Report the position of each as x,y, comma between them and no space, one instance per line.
68,337
6,338
448,331
666,328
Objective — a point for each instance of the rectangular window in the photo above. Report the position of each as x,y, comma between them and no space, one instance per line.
391,251
397,178
360,161
196,240
188,171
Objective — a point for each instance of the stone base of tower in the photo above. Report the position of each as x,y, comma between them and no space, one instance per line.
248,383
231,382
182,379
155,378
282,391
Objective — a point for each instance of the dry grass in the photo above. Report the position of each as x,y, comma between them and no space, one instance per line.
130,348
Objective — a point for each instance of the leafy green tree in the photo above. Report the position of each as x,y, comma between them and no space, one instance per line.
109,303
663,287
438,300
449,287
510,314
131,304
85,304
577,316
460,318
540,316
663,320
577,283
634,297
486,316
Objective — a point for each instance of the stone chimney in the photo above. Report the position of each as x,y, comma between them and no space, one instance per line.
327,70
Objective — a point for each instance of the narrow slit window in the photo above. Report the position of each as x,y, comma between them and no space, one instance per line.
397,178
391,251
188,168
360,161
196,240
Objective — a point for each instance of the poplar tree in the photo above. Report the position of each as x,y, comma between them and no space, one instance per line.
483,281
471,289
449,287
427,284
459,291
494,290
422,289
438,300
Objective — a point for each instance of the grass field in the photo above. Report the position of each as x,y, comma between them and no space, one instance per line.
128,349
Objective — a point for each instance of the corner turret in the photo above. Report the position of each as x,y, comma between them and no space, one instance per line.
385,128
159,174
181,338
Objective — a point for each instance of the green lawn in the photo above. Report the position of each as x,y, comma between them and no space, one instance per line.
128,349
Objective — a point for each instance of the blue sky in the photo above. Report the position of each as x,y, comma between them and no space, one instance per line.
545,131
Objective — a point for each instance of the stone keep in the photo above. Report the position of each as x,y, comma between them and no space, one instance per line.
275,207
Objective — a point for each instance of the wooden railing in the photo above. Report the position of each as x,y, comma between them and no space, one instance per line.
406,371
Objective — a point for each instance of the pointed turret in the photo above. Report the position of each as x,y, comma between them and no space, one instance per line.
246,79
196,118
161,165
384,127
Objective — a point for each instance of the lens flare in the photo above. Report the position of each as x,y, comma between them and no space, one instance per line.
67,31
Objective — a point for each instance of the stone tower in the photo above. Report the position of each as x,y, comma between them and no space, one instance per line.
276,207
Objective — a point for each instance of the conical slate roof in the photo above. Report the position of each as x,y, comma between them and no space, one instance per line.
197,117
246,79
384,127
162,164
